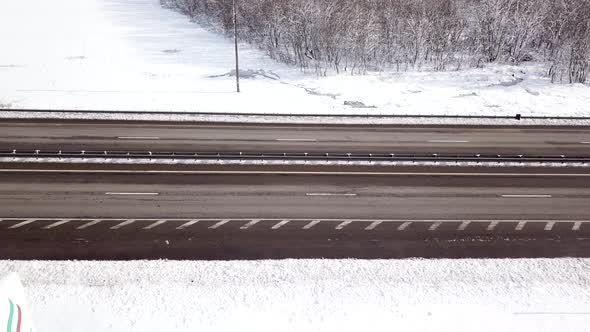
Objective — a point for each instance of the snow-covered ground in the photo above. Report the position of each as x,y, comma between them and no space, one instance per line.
308,295
135,55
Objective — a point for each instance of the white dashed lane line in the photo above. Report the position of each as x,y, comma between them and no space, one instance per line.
311,224
187,224
464,225
296,140
219,224
250,224
373,225
404,226
493,225
156,224
89,224
57,224
343,224
527,196
446,141
280,224
139,137
435,226
131,194
21,224
123,224
330,194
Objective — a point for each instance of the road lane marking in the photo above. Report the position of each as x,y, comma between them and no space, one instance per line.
123,224
343,224
527,196
549,225
520,225
131,194
156,224
584,142
435,226
187,224
89,224
139,137
373,225
577,226
447,141
493,225
219,224
464,225
464,174
21,224
311,224
296,140
280,224
404,226
330,194
57,224
250,224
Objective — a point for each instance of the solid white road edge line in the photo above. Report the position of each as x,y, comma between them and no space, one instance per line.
293,173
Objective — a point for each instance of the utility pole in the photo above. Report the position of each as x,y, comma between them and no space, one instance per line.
236,46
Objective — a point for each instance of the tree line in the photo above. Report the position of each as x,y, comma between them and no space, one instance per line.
356,36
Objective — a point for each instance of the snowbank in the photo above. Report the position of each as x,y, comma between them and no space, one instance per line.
308,295
135,55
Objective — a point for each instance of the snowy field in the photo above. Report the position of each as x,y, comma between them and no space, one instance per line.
308,295
135,55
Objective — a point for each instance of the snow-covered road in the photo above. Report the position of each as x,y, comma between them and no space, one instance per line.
135,55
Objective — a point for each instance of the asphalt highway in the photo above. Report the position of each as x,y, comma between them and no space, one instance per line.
63,215
118,136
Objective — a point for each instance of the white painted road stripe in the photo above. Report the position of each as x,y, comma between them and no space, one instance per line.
139,137
156,224
527,196
250,224
493,225
373,225
21,224
328,219
447,141
475,174
464,225
343,224
435,226
88,224
404,226
185,225
520,225
577,226
328,194
124,223
280,224
132,194
296,139
219,224
57,224
549,226
311,224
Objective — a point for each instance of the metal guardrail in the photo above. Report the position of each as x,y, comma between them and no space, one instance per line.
430,116
381,157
